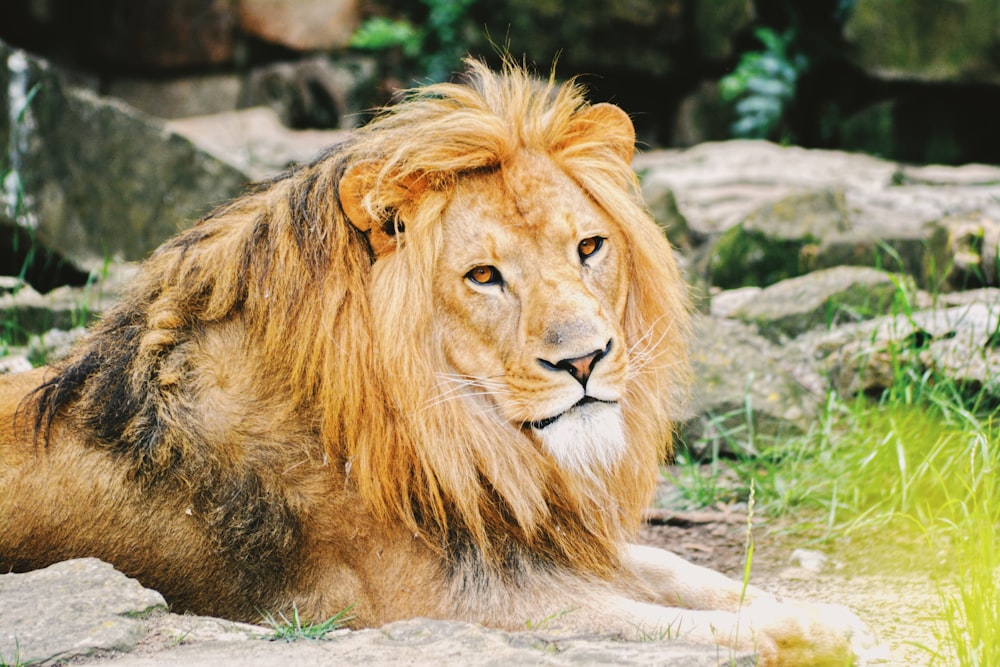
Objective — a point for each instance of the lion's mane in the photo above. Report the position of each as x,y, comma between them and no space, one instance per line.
347,348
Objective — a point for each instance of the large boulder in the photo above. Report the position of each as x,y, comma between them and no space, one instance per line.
254,140
303,25
650,38
926,39
70,610
766,212
746,388
823,299
92,178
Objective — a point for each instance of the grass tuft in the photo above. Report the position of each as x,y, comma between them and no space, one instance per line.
293,629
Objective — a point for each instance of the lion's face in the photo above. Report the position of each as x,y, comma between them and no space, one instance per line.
530,293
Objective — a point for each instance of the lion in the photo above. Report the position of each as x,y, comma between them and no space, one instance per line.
431,374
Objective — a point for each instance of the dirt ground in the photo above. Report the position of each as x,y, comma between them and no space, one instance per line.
888,593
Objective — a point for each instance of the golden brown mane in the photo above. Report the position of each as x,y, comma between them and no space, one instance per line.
350,347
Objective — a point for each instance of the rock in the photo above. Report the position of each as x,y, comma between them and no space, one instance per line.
254,140
702,116
152,34
179,97
53,345
778,240
14,363
82,608
930,41
315,92
71,609
24,255
764,212
719,184
725,303
101,180
740,374
660,200
27,312
968,175
965,251
809,559
424,642
825,298
302,25
959,344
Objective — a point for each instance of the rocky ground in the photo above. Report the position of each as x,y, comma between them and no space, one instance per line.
83,612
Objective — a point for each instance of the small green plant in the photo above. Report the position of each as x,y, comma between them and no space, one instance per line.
380,33
16,661
541,625
293,629
763,85
433,48
658,633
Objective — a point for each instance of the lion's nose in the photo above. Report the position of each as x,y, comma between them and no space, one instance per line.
579,367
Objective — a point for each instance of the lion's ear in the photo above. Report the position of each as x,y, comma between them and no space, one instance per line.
361,179
352,188
605,124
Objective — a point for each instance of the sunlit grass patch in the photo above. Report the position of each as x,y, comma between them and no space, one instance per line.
911,479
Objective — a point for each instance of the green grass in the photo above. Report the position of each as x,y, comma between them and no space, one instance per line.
911,480
292,629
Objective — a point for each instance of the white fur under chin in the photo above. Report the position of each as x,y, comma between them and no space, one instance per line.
586,438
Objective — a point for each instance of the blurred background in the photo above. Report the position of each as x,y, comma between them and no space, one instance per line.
909,80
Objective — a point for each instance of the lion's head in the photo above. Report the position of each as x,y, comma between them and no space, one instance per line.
527,309
466,305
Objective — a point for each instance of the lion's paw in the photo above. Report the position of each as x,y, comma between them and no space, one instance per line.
817,635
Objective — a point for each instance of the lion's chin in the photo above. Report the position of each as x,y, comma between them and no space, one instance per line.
586,438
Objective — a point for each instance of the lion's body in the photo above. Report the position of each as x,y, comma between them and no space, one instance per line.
431,374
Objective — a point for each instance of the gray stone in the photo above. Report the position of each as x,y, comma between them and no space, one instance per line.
27,312
959,343
726,302
746,387
427,642
101,180
71,609
777,240
825,298
83,608
965,251
314,92
660,200
179,97
718,185
254,140
809,559
770,212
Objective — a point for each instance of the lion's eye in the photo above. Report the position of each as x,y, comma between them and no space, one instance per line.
485,275
589,246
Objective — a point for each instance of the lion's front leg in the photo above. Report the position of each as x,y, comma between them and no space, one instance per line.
798,633
675,582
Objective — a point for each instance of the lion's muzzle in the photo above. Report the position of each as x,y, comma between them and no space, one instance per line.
579,367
